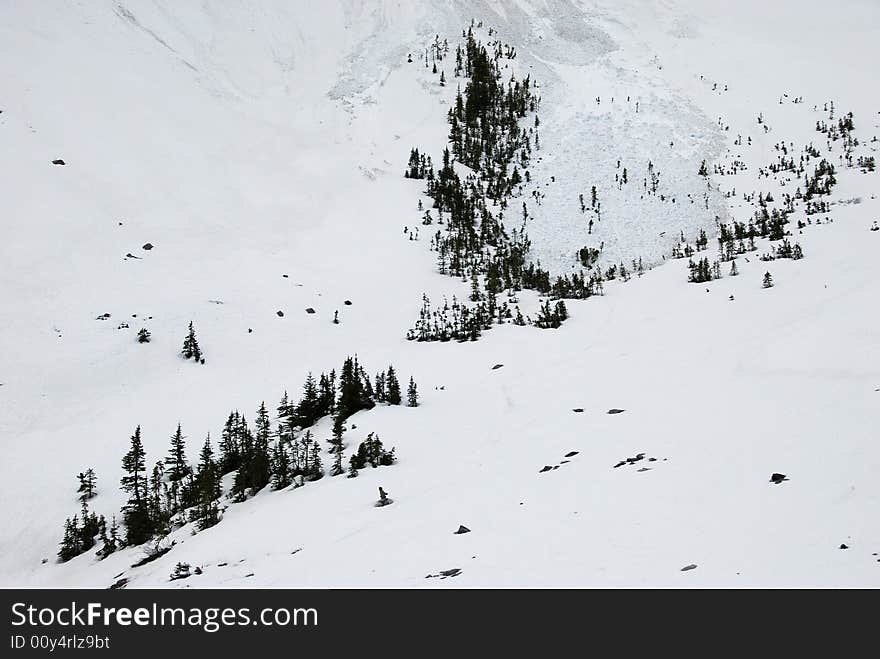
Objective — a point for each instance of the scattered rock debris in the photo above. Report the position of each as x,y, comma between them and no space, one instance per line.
632,460
571,454
103,316
117,585
443,574
545,468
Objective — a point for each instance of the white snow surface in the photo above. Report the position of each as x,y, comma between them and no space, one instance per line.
251,139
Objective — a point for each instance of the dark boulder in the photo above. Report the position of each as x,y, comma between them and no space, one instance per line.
778,478
462,529
147,246
280,313
497,366
58,161
310,310
615,410
545,468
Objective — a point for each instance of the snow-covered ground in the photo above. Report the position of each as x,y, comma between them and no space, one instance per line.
251,140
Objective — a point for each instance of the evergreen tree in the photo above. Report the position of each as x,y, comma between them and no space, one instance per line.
392,387
768,280
87,480
70,546
282,475
178,469
316,471
230,455
207,487
143,335
139,525
133,463
336,445
109,543
412,394
191,348
91,527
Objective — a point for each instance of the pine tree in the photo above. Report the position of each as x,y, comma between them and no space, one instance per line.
336,447
230,456
143,335
91,526
191,348
316,471
352,467
133,463
207,487
412,394
139,525
87,481
733,269
109,543
392,387
281,471
178,469
768,280
70,546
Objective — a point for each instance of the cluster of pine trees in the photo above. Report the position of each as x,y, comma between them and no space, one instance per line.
474,244
419,166
785,250
173,492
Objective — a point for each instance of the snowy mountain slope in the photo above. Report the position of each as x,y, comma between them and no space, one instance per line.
261,139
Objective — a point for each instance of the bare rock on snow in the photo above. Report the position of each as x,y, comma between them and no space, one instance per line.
310,310
692,566
147,246
497,366
571,454
58,161
578,410
615,410
462,529
545,468
777,478
280,313
117,585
